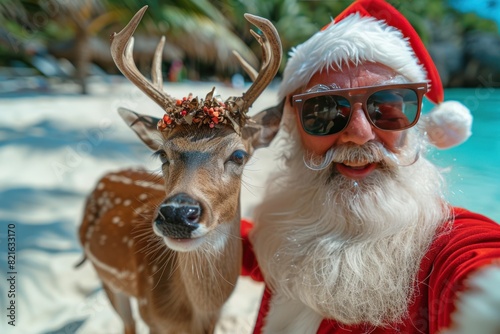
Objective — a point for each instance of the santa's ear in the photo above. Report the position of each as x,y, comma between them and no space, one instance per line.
448,124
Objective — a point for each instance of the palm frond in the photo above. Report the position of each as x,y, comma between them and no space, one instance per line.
204,39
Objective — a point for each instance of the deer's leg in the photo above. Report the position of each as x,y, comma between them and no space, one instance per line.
121,304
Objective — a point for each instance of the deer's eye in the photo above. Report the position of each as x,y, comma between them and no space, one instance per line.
163,157
238,157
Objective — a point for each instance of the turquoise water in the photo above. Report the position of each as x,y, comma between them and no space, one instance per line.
473,167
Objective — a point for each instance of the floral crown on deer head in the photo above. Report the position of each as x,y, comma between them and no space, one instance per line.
194,111
210,111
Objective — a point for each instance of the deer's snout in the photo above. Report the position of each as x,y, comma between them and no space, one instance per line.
178,216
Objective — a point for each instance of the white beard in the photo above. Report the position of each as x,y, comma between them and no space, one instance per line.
348,250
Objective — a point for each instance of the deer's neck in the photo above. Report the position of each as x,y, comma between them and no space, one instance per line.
210,273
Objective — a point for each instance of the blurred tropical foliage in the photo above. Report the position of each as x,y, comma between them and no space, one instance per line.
73,35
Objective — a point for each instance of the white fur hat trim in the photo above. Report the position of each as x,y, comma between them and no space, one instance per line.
355,39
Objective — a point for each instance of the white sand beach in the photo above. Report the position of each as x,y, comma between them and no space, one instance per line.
55,149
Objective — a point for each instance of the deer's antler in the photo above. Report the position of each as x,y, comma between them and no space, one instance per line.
122,44
189,110
271,54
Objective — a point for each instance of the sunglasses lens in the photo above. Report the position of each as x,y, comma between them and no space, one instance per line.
325,115
393,109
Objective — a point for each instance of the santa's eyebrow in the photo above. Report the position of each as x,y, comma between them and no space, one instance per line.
397,79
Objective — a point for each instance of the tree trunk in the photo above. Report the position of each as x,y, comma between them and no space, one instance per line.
82,59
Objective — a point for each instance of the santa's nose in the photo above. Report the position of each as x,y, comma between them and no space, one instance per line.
359,130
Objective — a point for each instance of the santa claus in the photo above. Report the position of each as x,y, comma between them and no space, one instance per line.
354,234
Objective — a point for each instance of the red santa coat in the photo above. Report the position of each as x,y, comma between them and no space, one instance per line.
472,243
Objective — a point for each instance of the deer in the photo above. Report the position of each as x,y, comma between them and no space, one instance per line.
171,240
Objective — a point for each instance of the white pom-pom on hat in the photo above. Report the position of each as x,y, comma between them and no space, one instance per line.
448,124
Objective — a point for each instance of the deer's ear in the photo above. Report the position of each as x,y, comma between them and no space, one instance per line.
263,127
144,126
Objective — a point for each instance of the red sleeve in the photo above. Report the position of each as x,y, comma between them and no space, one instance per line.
250,266
473,243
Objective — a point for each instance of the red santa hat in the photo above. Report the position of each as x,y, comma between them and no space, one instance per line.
374,31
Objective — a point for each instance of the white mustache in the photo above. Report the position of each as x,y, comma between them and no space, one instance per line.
368,153
371,152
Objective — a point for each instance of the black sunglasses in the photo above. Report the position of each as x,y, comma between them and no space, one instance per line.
387,107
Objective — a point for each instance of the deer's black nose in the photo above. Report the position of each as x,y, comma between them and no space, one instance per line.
178,216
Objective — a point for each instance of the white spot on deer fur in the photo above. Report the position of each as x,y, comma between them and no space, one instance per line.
89,233
102,239
143,197
127,202
141,268
118,200
100,186
100,201
121,224
155,268
115,220
130,243
143,301
150,280
92,206
120,179
147,184
90,217
120,275
102,211
125,239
